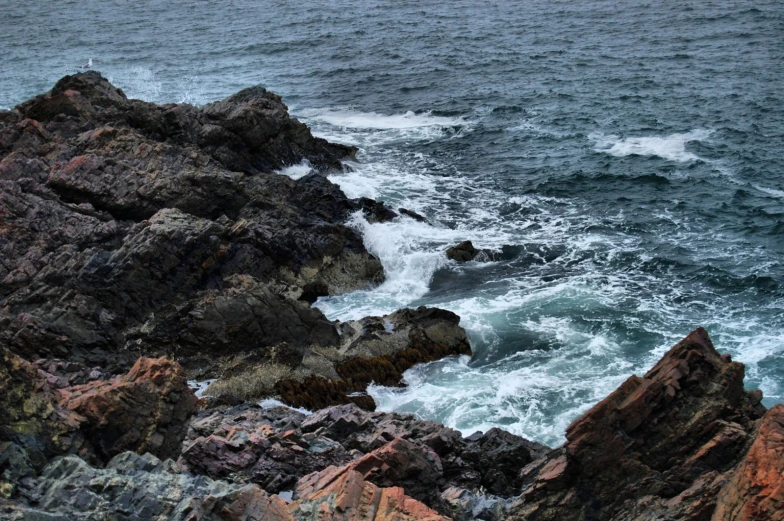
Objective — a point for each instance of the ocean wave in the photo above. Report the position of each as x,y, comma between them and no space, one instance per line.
671,147
297,171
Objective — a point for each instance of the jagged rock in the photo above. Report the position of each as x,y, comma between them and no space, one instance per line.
276,447
134,487
118,218
145,410
410,213
659,447
375,211
465,252
343,494
464,505
373,349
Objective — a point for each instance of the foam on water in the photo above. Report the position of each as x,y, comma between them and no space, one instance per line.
372,120
671,147
297,171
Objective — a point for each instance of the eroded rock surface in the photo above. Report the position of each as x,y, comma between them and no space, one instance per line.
146,410
134,487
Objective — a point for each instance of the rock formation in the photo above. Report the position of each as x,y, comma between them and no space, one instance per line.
130,230
659,447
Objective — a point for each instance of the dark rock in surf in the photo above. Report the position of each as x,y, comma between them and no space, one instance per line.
665,446
409,213
465,252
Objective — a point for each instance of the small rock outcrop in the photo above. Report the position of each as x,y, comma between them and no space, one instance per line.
465,251
349,358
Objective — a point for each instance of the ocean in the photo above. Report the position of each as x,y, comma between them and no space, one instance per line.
626,160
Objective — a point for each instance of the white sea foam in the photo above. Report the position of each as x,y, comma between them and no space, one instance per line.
770,191
297,171
199,386
271,403
671,147
371,120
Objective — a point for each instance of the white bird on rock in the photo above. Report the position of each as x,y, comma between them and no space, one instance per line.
89,64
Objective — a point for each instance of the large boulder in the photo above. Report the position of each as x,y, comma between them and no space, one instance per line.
146,410
333,364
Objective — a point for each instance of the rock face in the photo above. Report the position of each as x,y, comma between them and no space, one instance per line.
755,491
128,227
659,447
344,494
146,411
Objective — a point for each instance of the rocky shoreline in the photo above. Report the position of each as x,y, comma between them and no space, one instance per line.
143,245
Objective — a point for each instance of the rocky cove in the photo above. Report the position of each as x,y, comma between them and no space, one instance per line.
144,245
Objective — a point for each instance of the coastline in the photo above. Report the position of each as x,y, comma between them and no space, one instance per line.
163,230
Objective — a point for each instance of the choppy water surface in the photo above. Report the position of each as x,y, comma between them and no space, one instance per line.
625,157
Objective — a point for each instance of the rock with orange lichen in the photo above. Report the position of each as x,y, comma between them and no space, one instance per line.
756,490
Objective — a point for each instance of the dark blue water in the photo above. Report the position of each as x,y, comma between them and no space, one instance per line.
627,157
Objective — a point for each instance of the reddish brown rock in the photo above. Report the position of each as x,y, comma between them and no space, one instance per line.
756,490
658,447
145,410
343,494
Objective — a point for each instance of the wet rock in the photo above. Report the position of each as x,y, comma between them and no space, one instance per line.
375,211
374,349
465,252
410,213
659,447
